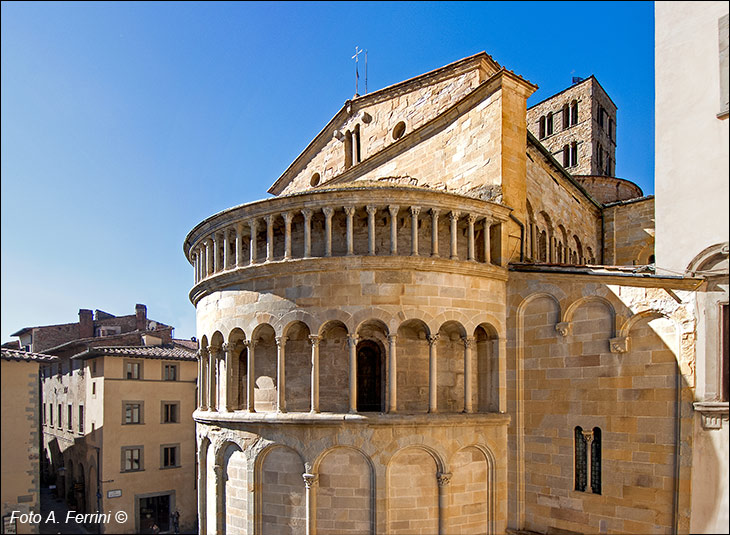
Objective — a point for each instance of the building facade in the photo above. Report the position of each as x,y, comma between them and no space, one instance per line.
94,415
435,327
21,432
692,158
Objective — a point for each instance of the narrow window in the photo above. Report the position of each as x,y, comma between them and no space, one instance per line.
574,154
596,461
600,158
93,366
60,424
50,414
542,127
574,112
550,123
581,461
610,129
600,116
725,333
44,414
70,418
81,418
93,388
566,156
170,411
348,149
566,116
356,155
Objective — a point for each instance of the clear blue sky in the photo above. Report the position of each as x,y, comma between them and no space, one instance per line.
126,124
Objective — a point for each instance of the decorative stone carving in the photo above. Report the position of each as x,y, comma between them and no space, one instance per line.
310,480
443,478
713,413
562,328
619,345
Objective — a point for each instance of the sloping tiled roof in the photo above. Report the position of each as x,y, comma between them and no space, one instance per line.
190,344
166,352
18,355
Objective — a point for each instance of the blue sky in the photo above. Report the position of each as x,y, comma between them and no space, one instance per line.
125,124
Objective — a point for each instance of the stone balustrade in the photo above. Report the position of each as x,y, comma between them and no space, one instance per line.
385,221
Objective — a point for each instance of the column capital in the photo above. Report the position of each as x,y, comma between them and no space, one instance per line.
371,209
469,342
328,211
315,339
226,347
392,337
393,209
433,338
250,344
349,210
310,480
288,216
269,218
435,212
352,339
443,478
415,210
253,223
214,350
281,341
588,435
471,218
203,353
454,215
307,213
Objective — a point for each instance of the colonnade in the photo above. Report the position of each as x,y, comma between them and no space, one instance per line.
218,373
544,246
225,248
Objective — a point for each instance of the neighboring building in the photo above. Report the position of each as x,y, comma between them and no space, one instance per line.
692,210
21,426
416,335
86,400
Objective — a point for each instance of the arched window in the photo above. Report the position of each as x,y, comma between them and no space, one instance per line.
566,116
600,116
596,461
550,123
542,127
600,158
348,149
581,460
370,393
610,129
566,156
574,112
574,153
356,150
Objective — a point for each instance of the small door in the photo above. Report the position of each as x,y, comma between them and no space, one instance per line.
369,377
154,511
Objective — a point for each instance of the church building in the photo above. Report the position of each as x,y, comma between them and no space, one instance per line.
445,320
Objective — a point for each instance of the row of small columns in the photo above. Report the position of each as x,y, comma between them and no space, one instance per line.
207,261
224,399
551,247
312,480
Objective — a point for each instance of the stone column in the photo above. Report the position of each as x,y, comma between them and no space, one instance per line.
314,340
287,234
209,257
252,248
328,212
250,376
371,229
226,252
468,374
392,374
238,257
225,388
269,237
352,340
216,258
194,258
535,244
415,210
281,373
432,373
212,377
393,229
203,379
350,212
588,435
434,232
443,478
454,216
307,213
470,244
310,481
487,245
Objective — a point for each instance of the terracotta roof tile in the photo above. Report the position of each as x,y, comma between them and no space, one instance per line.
166,352
18,355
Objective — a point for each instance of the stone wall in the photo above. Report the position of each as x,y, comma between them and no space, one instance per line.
629,232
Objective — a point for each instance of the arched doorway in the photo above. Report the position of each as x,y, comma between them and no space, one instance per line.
369,377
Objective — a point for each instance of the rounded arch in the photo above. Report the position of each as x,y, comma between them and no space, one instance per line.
408,314
263,330
451,317
296,317
570,310
376,316
412,444
473,494
333,314
709,258
372,323
204,342
224,452
649,315
415,325
330,325
236,335
203,490
279,498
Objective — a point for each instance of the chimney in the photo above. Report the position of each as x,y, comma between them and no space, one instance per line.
141,324
86,323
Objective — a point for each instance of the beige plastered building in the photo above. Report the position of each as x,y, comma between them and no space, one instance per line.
434,327
21,428
692,159
115,413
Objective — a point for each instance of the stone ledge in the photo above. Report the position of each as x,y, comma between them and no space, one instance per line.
713,413
337,419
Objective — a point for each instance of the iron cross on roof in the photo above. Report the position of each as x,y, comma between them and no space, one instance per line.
358,51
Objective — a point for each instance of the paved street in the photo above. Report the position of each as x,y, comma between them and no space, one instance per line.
49,503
